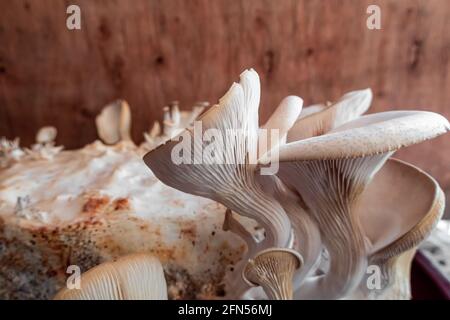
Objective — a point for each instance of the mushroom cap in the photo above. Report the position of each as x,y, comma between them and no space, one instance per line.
114,122
309,110
46,134
132,277
399,208
270,261
321,119
285,114
237,109
273,269
368,135
282,120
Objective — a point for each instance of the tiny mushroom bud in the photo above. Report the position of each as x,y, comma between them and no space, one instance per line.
175,113
114,122
46,135
169,126
156,130
273,269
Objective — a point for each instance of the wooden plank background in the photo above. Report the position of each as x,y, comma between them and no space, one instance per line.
152,52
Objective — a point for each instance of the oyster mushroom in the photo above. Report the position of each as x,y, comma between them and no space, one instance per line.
10,152
132,277
331,171
398,210
313,120
114,122
46,135
321,178
273,269
231,180
44,148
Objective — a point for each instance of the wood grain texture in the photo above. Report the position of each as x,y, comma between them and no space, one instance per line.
151,52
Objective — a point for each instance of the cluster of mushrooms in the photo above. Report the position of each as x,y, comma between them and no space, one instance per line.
43,148
337,206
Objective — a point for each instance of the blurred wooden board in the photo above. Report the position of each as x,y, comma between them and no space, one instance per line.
151,52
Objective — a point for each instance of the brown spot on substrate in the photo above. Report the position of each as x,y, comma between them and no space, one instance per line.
121,204
95,204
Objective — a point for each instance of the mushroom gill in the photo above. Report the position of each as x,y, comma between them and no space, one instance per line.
132,277
306,234
273,269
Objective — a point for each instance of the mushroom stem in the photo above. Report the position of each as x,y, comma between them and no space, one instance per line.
330,189
306,238
395,279
231,224
235,288
273,269
156,130
271,215
307,241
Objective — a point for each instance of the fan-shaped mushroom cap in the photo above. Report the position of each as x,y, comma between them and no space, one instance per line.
399,208
347,108
46,134
273,269
368,135
238,109
133,277
114,122
231,182
283,118
309,110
